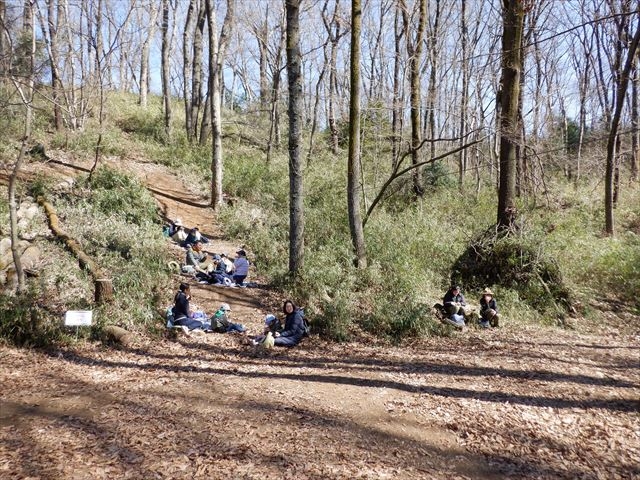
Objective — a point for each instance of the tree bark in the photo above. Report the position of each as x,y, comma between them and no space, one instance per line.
353,167
217,48
144,60
398,100
613,133
512,61
296,193
166,87
635,125
462,159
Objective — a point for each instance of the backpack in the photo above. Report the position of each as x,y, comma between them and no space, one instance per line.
305,324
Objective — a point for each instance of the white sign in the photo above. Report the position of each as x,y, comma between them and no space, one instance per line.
78,318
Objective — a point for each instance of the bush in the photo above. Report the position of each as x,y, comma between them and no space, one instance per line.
113,191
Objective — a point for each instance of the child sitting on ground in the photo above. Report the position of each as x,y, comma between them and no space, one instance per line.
221,323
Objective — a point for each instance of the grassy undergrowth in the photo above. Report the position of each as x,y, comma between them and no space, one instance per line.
411,244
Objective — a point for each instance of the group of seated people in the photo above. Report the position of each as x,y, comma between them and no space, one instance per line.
220,271
274,333
457,313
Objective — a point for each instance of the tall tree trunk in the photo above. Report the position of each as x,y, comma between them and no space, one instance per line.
144,60
217,49
4,41
431,89
512,61
296,194
334,32
166,87
353,166
197,72
398,100
635,135
56,83
186,68
462,159
27,99
613,133
414,51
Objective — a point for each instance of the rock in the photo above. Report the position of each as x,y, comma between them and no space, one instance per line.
27,211
30,257
5,246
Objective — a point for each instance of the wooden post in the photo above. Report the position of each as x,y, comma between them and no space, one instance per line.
103,290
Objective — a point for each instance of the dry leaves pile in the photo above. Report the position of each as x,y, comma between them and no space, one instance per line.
497,404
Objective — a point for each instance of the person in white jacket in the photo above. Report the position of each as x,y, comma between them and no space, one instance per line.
240,268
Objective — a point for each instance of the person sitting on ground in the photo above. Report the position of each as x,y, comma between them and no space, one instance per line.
179,235
195,259
193,237
218,272
294,328
455,306
182,316
228,263
489,310
240,267
173,227
271,325
221,323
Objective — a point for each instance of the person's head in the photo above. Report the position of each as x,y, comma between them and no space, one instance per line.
487,294
184,288
241,253
455,289
177,222
288,307
217,258
197,246
225,307
269,319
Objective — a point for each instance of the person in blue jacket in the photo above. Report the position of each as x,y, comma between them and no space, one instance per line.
294,328
181,311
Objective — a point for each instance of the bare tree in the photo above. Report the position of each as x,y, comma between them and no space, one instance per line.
25,88
414,52
296,194
512,61
333,26
217,49
166,87
154,10
353,166
622,84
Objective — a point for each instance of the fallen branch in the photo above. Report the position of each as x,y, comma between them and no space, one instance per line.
395,174
103,293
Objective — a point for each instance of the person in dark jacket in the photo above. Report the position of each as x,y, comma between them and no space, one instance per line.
293,326
456,307
489,310
181,311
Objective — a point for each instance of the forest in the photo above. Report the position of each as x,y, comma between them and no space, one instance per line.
366,156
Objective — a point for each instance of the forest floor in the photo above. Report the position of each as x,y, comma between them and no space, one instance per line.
526,402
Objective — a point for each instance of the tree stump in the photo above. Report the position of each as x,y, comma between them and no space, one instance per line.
103,290
118,335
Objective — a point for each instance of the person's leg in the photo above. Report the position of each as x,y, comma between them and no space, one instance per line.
285,342
239,279
235,327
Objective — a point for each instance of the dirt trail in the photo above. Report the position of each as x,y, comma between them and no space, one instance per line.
534,403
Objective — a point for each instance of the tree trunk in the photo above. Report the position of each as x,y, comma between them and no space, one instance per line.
431,89
512,61
635,125
353,167
217,48
166,87
398,100
103,290
613,133
197,72
186,68
296,194
13,208
144,60
414,51
462,159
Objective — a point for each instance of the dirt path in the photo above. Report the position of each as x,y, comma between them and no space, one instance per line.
538,403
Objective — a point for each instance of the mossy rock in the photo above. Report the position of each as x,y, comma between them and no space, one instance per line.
515,262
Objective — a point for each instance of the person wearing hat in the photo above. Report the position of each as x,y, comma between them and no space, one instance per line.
489,310
240,267
220,321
